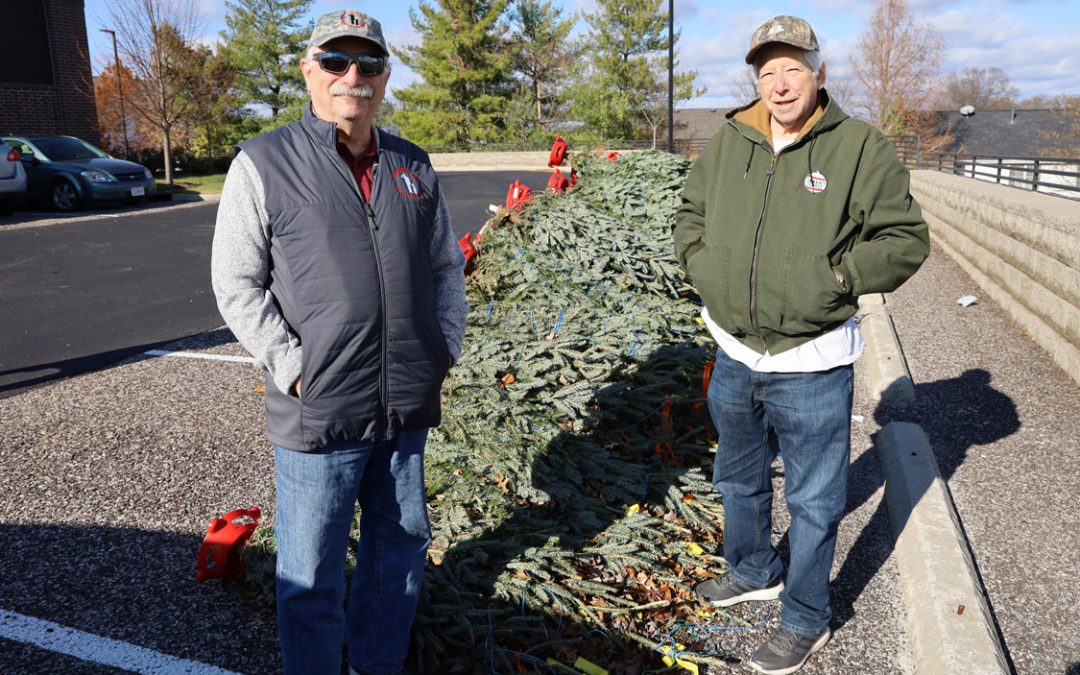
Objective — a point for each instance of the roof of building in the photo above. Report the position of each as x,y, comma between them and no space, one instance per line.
1012,133
698,123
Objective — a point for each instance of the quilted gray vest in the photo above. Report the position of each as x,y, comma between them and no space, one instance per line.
353,280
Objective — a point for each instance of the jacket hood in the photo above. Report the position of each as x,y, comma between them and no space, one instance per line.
753,119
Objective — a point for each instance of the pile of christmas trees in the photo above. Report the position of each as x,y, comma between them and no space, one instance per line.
570,502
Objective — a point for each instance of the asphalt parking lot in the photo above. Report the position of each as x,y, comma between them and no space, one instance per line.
83,290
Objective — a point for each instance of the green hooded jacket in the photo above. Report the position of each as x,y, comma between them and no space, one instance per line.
762,236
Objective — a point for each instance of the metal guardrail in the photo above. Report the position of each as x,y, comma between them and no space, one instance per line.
1050,175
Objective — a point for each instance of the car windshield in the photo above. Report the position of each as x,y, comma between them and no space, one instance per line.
60,149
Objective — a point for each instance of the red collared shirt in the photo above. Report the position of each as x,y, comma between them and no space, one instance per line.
361,166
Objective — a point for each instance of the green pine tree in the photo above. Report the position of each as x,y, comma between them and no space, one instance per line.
463,66
265,40
622,94
542,55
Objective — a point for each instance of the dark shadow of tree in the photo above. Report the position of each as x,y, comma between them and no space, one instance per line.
957,414
590,477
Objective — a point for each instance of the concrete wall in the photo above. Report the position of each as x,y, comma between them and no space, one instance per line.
1022,248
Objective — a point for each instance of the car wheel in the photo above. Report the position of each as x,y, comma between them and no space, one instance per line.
63,196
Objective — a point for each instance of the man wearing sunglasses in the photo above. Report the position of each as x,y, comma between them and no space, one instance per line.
335,265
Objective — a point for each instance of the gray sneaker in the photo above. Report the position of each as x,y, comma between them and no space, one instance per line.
785,652
726,591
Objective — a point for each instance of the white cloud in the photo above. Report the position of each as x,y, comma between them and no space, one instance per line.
1038,58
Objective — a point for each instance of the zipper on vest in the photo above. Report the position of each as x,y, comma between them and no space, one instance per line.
373,226
757,244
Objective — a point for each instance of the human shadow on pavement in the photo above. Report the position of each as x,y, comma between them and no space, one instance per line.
957,414
589,477
124,583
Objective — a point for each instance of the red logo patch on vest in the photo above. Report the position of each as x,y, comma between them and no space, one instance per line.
407,183
815,182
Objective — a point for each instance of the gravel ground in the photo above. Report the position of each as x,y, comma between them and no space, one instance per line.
107,481
1004,423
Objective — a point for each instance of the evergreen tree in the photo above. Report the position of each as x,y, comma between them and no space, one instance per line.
213,113
265,41
623,92
463,66
542,54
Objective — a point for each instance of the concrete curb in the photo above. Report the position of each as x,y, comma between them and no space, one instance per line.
886,369
949,625
950,628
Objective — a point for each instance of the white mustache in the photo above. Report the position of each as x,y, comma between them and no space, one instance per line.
360,90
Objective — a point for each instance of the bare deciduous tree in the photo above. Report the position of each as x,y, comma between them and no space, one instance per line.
745,88
153,37
895,64
982,88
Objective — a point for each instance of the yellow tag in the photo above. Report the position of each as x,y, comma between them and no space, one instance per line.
633,508
671,660
700,322
588,667
694,549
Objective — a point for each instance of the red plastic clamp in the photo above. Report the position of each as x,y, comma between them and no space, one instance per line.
219,555
557,182
558,152
518,195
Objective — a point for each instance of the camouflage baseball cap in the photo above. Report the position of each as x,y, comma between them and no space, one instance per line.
347,23
791,30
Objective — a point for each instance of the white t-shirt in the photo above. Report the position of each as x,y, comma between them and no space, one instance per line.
838,347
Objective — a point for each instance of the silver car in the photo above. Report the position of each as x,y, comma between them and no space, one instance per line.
12,179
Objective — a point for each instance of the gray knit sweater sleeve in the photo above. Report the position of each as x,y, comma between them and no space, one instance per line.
240,272
448,269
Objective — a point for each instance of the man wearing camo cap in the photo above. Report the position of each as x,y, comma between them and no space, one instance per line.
335,265
791,213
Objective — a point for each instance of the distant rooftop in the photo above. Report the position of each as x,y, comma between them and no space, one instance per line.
1013,133
698,123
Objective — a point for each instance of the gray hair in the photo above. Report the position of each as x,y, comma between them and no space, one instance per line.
813,59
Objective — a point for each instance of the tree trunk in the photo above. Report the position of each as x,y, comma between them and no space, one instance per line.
166,151
539,109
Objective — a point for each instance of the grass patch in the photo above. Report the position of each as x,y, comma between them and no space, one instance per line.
194,185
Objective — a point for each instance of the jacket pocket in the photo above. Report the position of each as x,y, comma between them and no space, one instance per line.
812,297
710,271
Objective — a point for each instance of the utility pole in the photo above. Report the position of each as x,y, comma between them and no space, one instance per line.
119,90
671,77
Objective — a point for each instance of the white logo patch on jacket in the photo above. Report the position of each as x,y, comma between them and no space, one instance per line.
815,182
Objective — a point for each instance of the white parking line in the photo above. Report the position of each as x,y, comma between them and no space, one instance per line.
88,647
195,355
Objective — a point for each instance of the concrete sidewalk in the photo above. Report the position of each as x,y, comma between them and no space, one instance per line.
1003,422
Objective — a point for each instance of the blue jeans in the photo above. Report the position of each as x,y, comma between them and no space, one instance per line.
317,494
806,418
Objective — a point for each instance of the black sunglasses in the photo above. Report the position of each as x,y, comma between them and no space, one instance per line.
338,63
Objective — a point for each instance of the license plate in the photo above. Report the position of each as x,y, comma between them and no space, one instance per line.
138,191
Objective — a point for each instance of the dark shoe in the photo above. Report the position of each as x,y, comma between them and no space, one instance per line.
785,652
726,591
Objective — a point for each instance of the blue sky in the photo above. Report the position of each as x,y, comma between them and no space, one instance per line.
1034,41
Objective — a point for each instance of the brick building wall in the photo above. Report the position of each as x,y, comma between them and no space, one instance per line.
56,94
